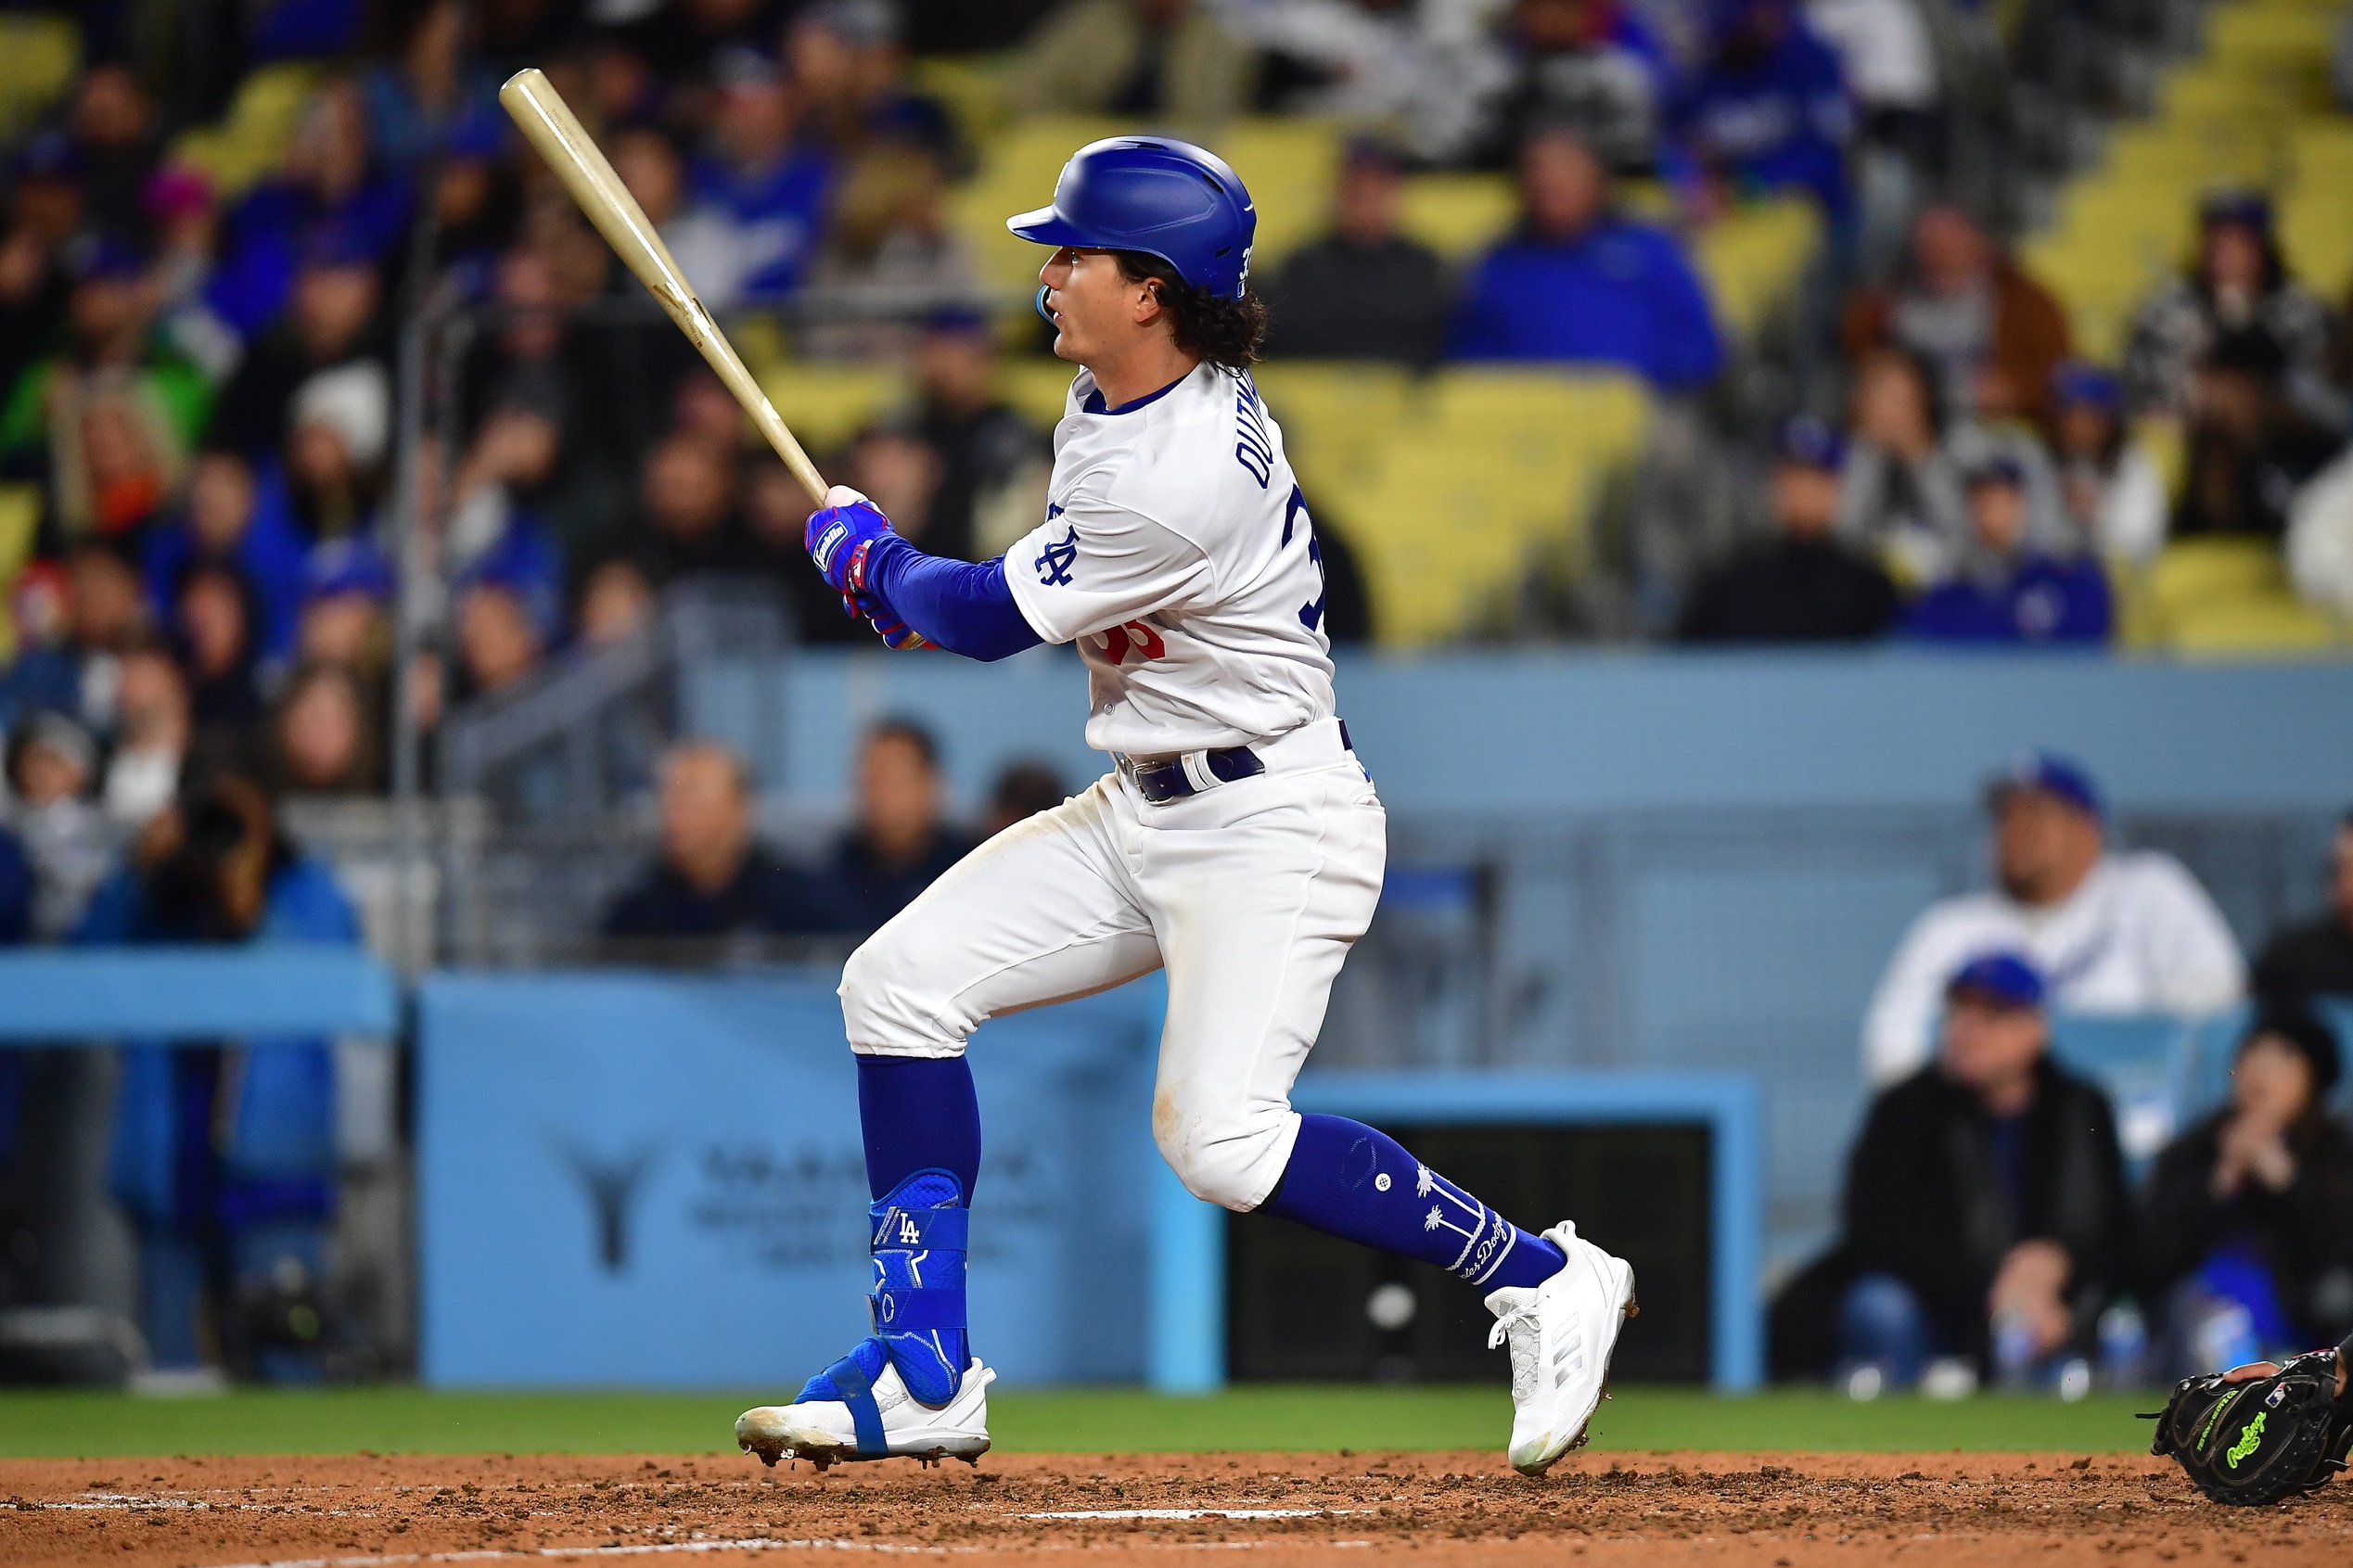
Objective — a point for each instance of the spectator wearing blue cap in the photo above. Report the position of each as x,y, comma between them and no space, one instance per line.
2112,491
1768,110
329,192
2113,931
2237,282
227,521
1364,291
347,591
2006,588
1804,584
1580,282
772,189
1985,1214
2246,1227
423,81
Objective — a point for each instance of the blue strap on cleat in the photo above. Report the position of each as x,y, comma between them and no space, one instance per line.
919,1236
849,1382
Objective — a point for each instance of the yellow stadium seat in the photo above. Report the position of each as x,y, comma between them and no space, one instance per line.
1458,215
1753,256
38,57
19,521
2220,596
1289,165
1337,420
828,402
251,139
1036,387
971,87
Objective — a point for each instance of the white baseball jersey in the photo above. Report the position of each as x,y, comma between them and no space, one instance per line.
2138,935
1177,553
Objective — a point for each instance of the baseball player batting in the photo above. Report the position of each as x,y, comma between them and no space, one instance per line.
1237,842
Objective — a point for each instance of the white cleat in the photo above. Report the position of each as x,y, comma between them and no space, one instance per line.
1561,1333
821,1431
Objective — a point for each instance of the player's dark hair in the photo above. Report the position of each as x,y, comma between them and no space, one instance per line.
1227,333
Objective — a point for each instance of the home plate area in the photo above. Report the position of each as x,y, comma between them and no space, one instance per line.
392,1511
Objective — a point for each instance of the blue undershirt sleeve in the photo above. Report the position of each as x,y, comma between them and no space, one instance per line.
962,606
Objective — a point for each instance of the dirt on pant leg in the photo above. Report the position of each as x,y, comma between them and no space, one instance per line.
1782,1510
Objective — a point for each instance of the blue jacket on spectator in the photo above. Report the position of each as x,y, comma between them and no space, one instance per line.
779,214
2045,599
1620,293
1778,119
273,229
278,1158
271,557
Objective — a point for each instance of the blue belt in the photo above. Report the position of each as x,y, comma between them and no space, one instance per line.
1161,782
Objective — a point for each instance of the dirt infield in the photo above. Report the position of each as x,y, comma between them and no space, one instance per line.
1595,1509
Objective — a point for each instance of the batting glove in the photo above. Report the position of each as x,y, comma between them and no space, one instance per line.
839,536
894,632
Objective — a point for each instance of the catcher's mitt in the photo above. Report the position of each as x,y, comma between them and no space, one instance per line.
2256,1442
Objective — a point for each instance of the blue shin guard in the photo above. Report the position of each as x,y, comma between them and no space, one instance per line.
918,1239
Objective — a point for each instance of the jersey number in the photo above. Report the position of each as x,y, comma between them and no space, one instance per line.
1137,636
1295,511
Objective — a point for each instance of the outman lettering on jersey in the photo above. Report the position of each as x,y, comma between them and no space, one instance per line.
1179,555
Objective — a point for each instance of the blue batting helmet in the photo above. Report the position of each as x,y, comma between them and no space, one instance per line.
1170,199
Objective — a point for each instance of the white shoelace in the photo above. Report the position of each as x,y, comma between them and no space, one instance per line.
1504,1325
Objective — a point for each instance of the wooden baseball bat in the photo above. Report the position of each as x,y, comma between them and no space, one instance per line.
546,121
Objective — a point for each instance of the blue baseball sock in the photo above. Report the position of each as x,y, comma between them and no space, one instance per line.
918,1113
921,1124
1346,1179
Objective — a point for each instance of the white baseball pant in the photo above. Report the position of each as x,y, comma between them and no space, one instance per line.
1250,894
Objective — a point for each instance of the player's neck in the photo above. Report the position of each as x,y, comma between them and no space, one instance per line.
1143,369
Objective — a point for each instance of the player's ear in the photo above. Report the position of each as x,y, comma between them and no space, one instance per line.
1147,301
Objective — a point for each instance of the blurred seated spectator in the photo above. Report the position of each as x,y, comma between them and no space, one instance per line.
2116,932
901,842
2247,1229
616,603
1023,789
34,285
993,463
1887,58
1363,291
215,625
691,523
1804,584
1985,1212
500,640
2113,496
895,466
423,80
324,734
52,763
116,140
1589,67
1768,110
339,431
850,75
514,455
225,523
712,878
702,239
1430,73
2237,283
326,194
1992,335
2250,448
892,257
772,189
347,592
1580,282
1902,494
107,340
224,1158
151,737
78,673
1168,62
2315,957
330,317
2006,588
115,460
185,214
